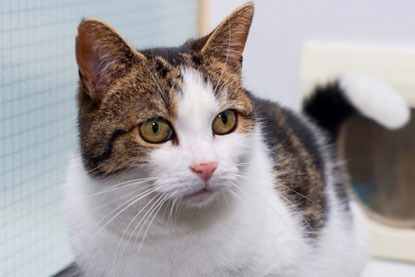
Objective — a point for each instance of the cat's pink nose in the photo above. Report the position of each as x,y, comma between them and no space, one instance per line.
204,170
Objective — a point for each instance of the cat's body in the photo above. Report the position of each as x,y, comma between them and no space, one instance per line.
257,234
265,197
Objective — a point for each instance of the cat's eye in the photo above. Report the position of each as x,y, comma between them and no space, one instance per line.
156,130
224,123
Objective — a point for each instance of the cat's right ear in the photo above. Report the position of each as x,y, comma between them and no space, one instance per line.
227,41
102,55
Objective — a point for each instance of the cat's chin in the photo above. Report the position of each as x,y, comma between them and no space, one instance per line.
200,198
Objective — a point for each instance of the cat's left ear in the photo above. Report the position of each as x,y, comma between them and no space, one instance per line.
227,41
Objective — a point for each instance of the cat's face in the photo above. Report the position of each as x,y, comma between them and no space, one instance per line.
177,116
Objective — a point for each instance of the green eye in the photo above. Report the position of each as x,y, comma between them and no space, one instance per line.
156,130
224,123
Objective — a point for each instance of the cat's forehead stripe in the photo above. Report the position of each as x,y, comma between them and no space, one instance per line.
197,102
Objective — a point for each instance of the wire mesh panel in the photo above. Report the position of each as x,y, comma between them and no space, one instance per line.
38,79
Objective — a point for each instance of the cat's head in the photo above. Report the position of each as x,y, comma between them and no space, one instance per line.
177,116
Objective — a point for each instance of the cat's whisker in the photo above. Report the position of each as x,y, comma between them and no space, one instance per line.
125,184
100,193
138,179
149,211
117,215
298,193
104,175
124,168
280,183
163,200
234,191
132,201
171,210
176,212
112,200
297,210
126,165
128,226
92,170
289,170
134,191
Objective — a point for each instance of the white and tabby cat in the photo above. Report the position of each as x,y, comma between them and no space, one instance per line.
182,172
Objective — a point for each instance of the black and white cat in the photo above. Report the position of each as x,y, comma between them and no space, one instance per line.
182,172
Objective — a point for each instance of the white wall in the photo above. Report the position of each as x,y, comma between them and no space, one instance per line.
280,27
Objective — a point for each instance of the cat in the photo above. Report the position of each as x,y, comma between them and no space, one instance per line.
183,172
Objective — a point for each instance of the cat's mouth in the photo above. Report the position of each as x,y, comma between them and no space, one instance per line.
199,196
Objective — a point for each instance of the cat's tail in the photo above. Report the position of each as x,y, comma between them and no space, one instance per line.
329,106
